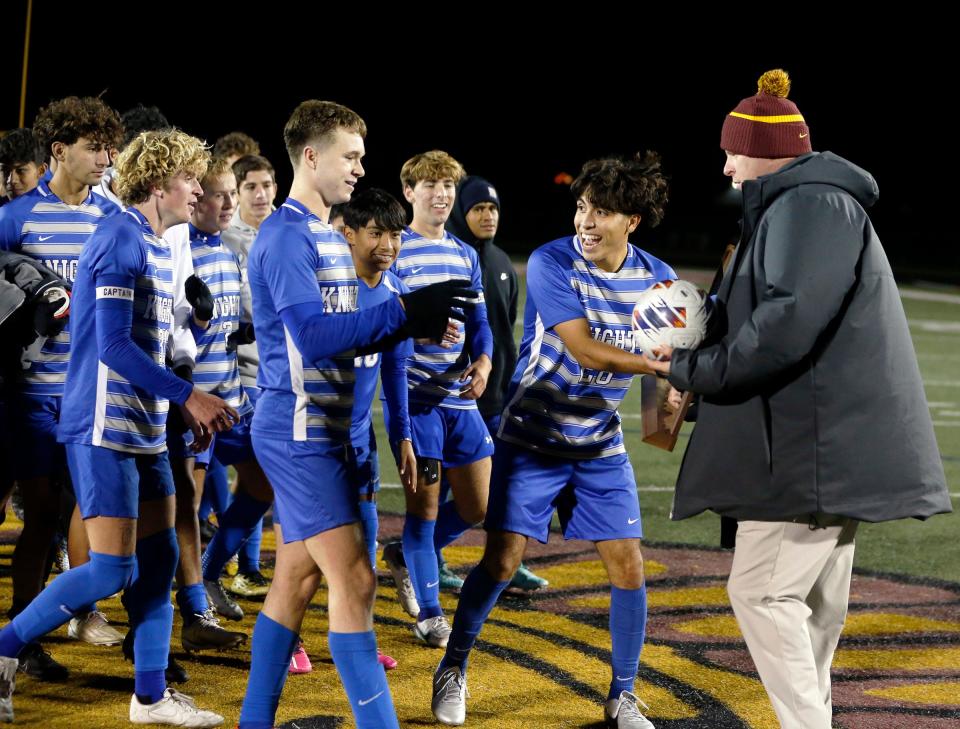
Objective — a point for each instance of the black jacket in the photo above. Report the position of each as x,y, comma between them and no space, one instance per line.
500,291
812,397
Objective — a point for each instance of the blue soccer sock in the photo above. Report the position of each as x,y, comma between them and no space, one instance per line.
272,646
192,601
151,615
216,490
236,525
363,679
101,577
149,685
628,622
250,551
477,597
370,523
422,564
450,526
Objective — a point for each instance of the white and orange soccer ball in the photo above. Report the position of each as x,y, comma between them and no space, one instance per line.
674,313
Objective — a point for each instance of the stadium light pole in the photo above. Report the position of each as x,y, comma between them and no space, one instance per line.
26,58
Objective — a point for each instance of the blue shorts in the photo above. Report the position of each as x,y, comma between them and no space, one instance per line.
595,499
113,483
230,447
311,483
363,466
32,423
453,437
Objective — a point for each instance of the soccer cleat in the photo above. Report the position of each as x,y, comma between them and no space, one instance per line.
300,661
449,580
8,682
94,629
393,558
232,566
250,584
204,631
36,662
435,632
61,558
524,579
623,712
175,673
449,701
174,708
386,661
221,602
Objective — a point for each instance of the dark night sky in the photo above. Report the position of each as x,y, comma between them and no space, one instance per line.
533,102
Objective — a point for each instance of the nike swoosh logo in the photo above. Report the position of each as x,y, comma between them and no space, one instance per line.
433,584
804,135
624,678
42,238
364,702
331,260
416,270
633,521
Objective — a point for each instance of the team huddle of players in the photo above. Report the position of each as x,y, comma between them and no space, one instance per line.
202,334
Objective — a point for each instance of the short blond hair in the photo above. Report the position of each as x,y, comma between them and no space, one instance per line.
432,165
154,158
218,168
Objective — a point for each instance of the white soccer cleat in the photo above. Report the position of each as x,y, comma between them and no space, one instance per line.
94,629
393,558
449,702
434,632
8,676
623,712
174,708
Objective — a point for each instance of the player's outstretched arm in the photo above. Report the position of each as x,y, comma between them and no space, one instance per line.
595,355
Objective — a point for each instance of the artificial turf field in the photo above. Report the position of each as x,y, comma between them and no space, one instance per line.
542,662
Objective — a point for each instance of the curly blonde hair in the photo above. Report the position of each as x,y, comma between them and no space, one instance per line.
154,158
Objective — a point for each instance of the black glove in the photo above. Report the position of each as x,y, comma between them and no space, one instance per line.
243,335
51,310
429,308
199,297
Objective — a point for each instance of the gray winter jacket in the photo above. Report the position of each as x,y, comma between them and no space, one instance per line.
812,397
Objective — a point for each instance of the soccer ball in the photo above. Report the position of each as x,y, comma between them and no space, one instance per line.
670,312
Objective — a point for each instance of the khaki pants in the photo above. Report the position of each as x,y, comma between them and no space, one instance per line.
789,587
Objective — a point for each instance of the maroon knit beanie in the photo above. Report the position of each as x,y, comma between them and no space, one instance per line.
767,125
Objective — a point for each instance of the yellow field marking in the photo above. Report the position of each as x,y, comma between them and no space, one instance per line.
907,659
944,693
744,696
663,704
683,597
588,573
858,624
462,556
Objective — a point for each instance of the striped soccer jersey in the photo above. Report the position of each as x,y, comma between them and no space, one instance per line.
555,406
433,372
297,258
216,370
42,226
123,260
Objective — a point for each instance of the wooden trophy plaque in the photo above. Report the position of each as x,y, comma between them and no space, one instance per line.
660,427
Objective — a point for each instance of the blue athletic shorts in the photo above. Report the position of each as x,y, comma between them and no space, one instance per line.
113,483
453,437
32,422
232,446
311,483
363,466
595,499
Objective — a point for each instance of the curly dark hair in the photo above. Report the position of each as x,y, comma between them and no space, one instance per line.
66,120
19,146
141,119
628,185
